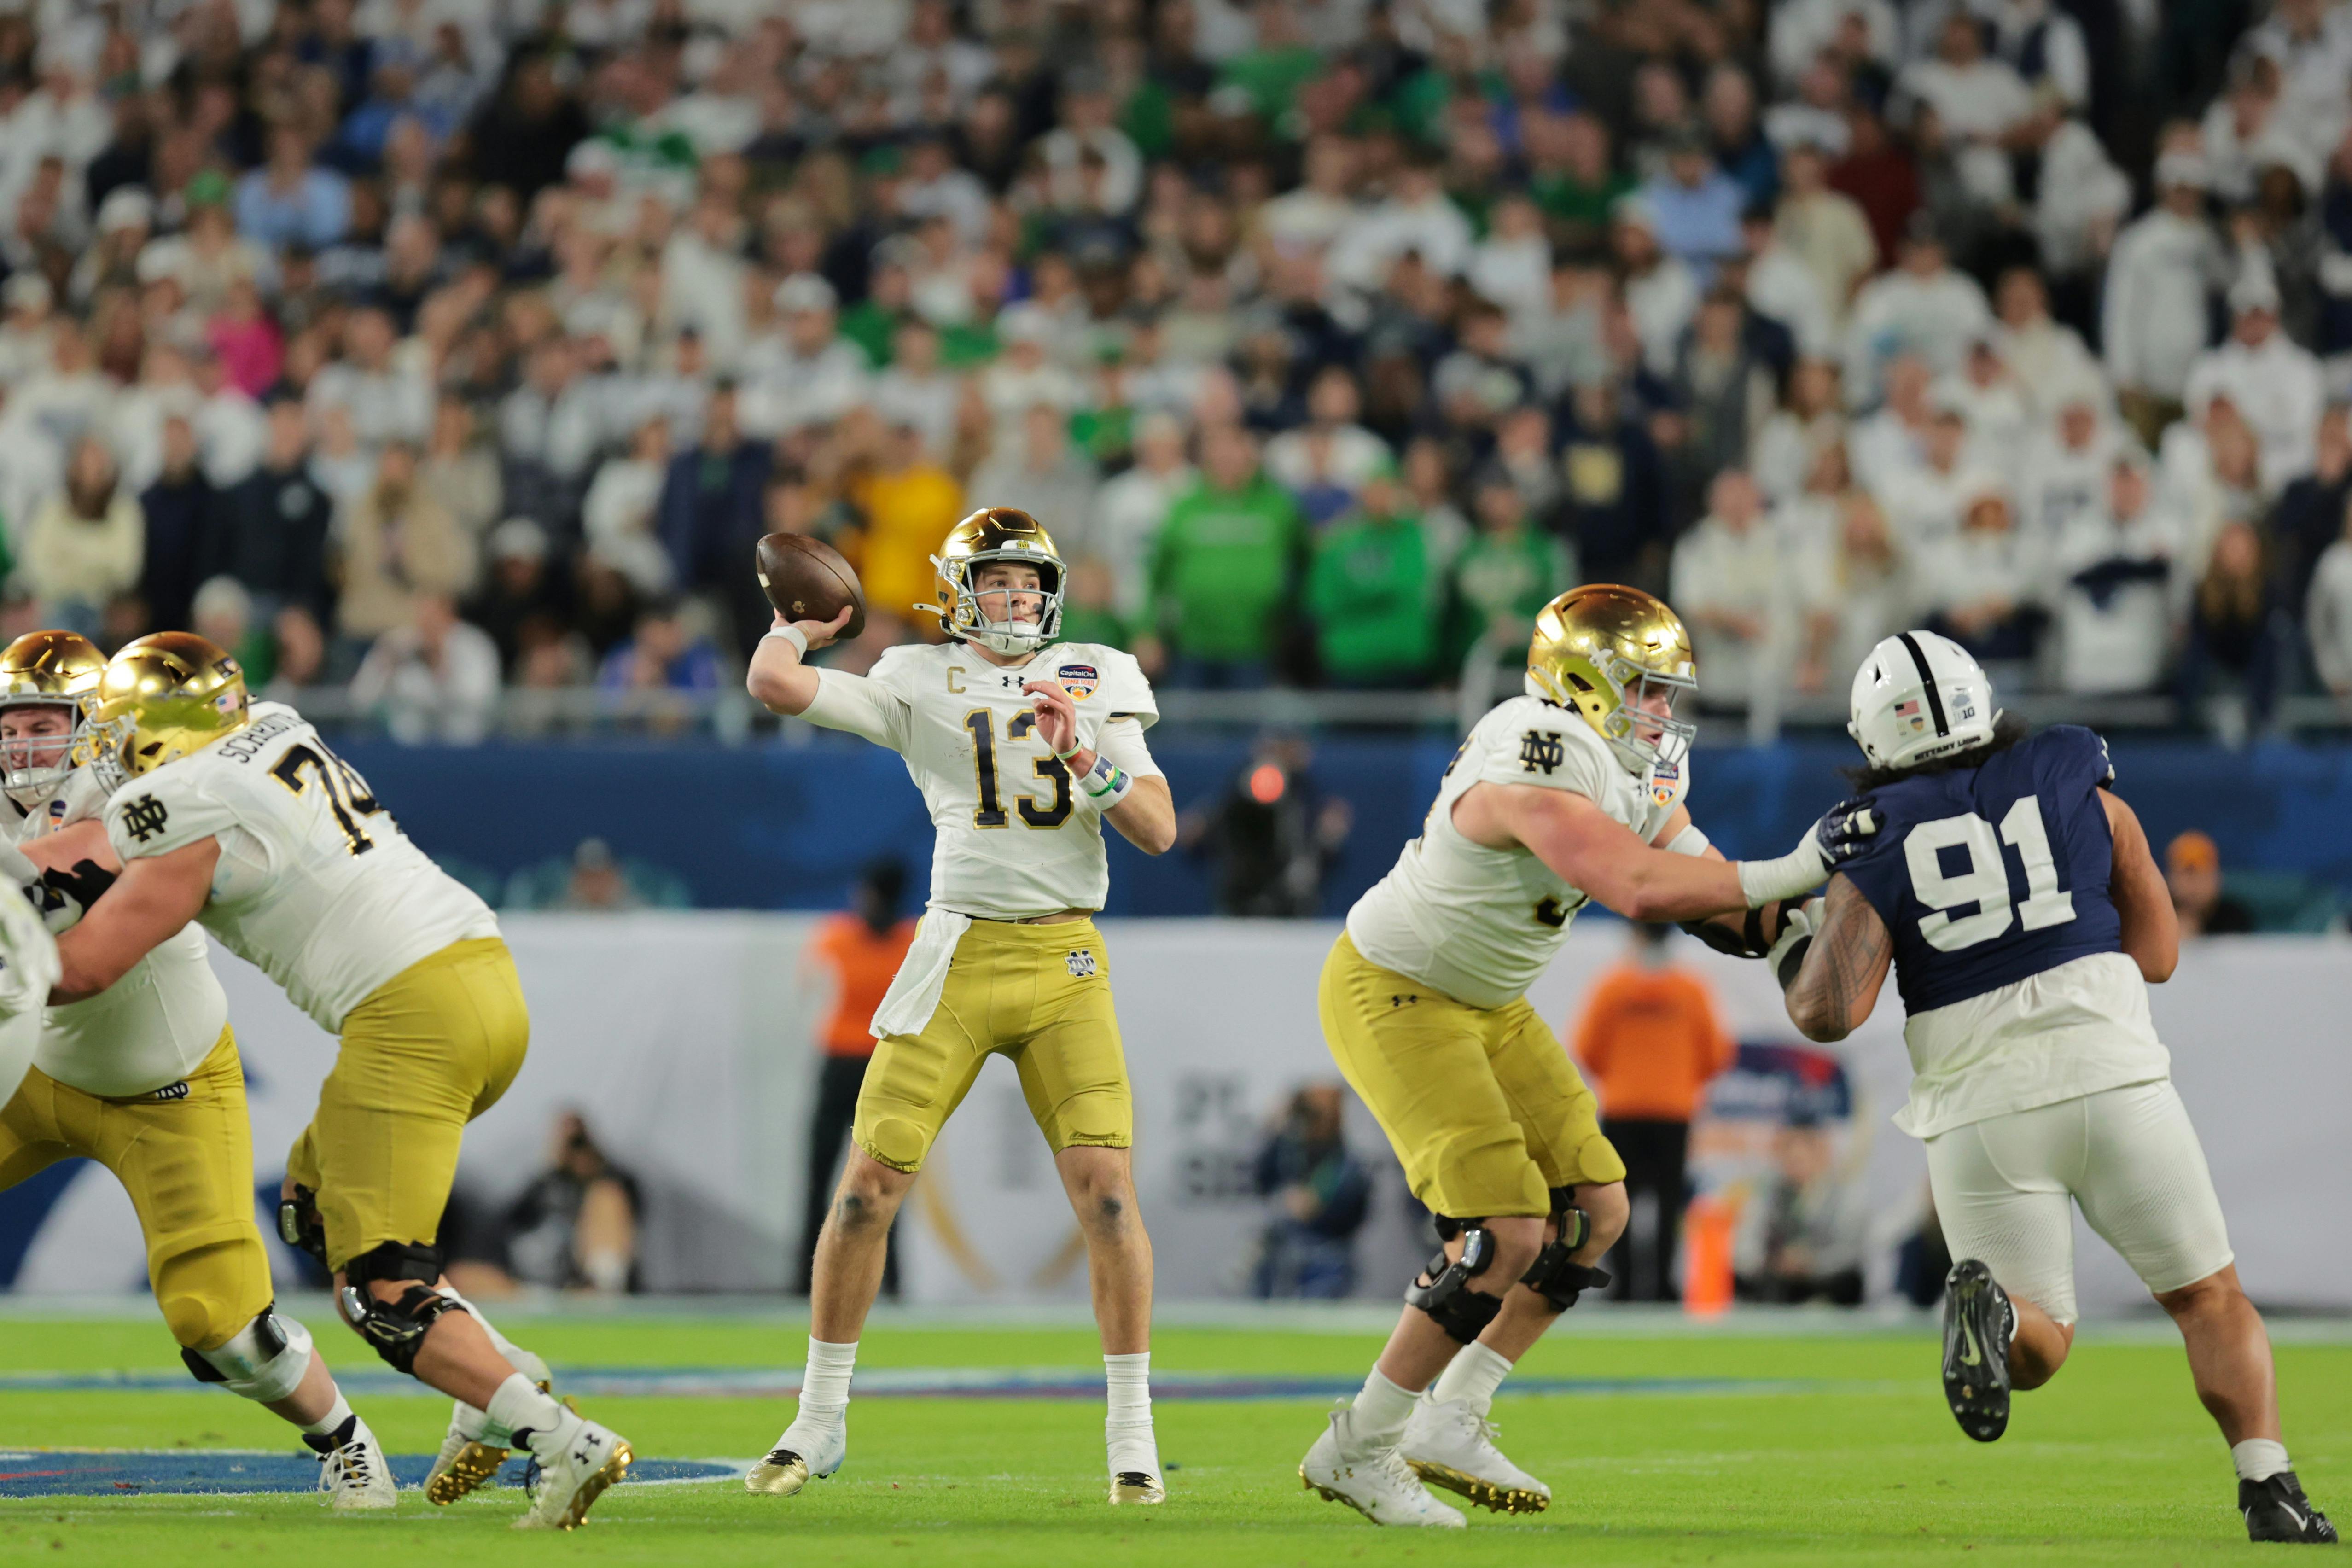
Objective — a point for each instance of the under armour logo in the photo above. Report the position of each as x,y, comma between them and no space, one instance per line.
1542,749
145,818
1550,912
1082,964
1402,1001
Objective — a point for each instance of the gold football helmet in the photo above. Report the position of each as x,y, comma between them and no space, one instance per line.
163,697
997,533
47,670
1620,658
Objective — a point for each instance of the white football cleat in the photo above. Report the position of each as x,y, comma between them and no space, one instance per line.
577,1461
352,1470
474,1446
1453,1446
1375,1482
807,1451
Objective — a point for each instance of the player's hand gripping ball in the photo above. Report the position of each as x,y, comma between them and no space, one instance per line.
806,580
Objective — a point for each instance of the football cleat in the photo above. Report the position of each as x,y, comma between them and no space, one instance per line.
803,1453
471,1451
577,1461
2275,1509
1375,1482
352,1469
1453,1446
1978,1324
1137,1487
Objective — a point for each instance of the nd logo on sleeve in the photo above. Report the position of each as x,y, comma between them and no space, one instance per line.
145,818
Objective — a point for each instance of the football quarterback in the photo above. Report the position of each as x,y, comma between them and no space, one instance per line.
1022,748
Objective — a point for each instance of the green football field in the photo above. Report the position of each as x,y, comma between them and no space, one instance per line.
1799,1440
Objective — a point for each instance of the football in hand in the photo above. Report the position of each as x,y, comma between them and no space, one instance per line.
807,580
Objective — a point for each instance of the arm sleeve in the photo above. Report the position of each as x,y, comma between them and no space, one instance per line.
860,705
1121,740
158,813
1127,690
1552,748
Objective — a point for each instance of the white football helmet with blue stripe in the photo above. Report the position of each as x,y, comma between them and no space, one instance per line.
1919,697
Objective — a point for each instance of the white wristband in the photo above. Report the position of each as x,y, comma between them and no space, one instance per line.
1800,870
792,635
1690,841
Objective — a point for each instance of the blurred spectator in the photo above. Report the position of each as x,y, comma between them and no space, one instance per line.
1924,307
710,505
1650,1036
621,512
2274,385
1272,836
1042,476
1133,505
398,544
1981,584
2192,870
274,522
221,612
592,879
436,678
1694,206
181,512
87,545
1322,1194
1505,575
1823,229
661,655
1225,566
2165,268
2328,613
855,951
909,503
461,472
1732,588
2112,568
2232,659
1612,513
1375,595
1801,1235
576,1227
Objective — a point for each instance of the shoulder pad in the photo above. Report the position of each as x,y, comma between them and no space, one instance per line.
162,811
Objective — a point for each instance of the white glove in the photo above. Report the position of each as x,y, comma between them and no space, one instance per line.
1796,939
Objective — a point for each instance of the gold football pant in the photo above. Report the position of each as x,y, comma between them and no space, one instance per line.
1039,995
186,1156
1483,1107
432,1048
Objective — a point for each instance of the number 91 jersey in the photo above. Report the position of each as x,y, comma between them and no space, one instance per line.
1988,874
317,886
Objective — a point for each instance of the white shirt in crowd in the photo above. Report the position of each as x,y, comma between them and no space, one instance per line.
2159,276
1898,312
2280,389
2327,614
2114,631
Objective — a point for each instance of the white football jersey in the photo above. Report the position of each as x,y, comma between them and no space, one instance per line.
1480,924
1017,837
149,1030
317,885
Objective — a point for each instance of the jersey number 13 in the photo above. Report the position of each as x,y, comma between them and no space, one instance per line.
1985,882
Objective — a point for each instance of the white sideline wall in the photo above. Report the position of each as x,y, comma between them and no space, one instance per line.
685,1040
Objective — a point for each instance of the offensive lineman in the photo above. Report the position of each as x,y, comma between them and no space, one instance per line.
1572,793
144,1079
2038,1082
1021,750
238,816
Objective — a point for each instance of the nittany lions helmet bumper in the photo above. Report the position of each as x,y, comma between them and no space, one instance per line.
50,669
164,697
997,533
1919,697
1603,648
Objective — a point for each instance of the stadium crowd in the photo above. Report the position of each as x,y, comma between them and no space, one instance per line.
440,348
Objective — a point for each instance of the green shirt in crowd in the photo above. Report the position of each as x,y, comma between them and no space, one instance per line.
1500,582
1222,568
1375,601
1272,78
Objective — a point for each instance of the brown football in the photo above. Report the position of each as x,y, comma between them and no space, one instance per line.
807,580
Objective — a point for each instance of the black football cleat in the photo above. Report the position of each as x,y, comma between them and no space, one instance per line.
1978,1323
2277,1510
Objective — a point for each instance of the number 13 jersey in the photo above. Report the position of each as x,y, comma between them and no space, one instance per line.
1017,837
1992,881
317,886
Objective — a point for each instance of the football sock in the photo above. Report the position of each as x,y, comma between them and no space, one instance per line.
519,1409
824,1386
2259,1459
333,1418
1381,1410
1471,1377
1127,1427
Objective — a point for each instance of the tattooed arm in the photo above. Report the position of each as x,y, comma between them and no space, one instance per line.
1847,963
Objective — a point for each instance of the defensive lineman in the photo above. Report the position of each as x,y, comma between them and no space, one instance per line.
1574,792
144,1079
1021,750
2013,894
238,816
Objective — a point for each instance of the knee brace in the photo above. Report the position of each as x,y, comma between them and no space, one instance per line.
300,1226
263,1361
396,1328
1452,1305
1552,1275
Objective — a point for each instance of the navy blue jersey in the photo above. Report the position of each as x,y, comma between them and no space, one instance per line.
1986,875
